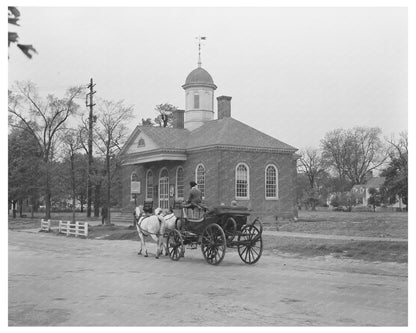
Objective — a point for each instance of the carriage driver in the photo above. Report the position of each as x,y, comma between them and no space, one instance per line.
195,198
195,195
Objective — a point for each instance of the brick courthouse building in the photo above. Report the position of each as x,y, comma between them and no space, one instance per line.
227,158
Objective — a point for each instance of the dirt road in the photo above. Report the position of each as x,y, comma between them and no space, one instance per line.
59,281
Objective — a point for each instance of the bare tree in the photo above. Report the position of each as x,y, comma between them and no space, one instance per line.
312,166
111,133
353,153
42,119
396,172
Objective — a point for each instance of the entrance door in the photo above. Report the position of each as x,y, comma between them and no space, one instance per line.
164,189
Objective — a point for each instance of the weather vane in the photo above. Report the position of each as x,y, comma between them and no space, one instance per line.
199,38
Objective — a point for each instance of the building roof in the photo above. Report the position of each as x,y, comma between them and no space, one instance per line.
226,132
199,77
375,182
231,132
166,137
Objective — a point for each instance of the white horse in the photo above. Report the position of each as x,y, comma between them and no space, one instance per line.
170,221
154,226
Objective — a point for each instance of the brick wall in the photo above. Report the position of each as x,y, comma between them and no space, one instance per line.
220,168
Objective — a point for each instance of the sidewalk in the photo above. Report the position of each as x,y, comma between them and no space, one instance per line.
337,237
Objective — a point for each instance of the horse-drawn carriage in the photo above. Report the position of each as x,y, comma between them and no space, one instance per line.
214,231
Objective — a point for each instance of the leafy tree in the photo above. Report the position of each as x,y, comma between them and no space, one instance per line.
111,133
353,153
13,37
42,120
343,199
71,141
147,122
396,173
165,117
375,199
24,168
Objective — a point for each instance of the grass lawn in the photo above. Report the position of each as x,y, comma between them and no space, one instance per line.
330,223
378,224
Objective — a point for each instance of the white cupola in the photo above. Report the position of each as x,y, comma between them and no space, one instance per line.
199,98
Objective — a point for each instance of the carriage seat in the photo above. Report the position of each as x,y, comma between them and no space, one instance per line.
193,214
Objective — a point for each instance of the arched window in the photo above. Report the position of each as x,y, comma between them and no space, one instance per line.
134,185
200,178
271,182
179,183
242,181
164,189
149,185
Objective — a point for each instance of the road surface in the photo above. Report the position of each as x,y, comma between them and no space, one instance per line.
60,281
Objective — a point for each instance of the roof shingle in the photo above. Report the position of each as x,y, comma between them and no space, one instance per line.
220,132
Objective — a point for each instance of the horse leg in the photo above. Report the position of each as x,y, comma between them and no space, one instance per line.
158,244
145,248
141,241
166,248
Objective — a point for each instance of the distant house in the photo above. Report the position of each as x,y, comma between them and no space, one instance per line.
361,192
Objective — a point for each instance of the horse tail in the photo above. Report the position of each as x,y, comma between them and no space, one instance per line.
162,224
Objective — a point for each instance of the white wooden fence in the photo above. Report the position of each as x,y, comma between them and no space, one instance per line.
66,227
73,228
45,225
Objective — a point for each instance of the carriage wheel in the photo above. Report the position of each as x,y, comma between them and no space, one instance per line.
257,223
213,244
250,244
230,229
175,246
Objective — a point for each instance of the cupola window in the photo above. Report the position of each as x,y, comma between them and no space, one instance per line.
196,101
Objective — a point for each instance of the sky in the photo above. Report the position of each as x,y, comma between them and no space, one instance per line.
293,73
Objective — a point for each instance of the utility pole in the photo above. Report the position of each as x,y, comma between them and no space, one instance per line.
91,120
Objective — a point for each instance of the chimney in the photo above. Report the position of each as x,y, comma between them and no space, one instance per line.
178,118
224,107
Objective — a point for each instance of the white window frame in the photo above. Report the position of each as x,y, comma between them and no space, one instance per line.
163,189
201,186
176,183
147,185
248,182
277,182
131,181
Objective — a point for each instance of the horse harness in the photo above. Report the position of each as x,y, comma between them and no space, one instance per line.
147,233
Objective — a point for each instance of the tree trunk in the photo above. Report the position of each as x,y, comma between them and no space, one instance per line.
73,188
47,191
32,208
97,202
48,203
14,208
108,220
21,208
